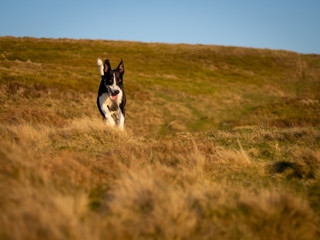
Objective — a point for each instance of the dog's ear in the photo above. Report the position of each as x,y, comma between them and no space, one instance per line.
107,66
120,68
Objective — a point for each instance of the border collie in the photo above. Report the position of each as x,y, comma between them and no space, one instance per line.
111,98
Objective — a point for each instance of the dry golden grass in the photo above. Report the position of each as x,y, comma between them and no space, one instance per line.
193,163
178,189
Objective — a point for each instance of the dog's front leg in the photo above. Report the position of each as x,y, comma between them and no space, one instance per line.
107,115
110,120
120,120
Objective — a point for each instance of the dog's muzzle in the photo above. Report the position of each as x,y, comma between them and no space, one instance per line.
114,94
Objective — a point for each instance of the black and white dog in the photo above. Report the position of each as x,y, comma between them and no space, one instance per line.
111,98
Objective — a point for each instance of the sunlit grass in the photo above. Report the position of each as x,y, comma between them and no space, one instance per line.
219,143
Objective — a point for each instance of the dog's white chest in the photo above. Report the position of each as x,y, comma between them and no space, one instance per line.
107,103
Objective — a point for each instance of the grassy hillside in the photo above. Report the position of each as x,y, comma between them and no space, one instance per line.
220,143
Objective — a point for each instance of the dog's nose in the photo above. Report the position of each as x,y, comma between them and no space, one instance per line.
116,92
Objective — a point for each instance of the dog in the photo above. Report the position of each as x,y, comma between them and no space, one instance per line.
111,99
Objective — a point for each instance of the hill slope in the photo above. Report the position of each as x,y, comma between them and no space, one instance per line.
220,142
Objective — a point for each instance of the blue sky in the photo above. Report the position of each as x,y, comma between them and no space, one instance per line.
291,25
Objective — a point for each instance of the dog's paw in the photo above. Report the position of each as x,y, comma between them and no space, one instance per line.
99,62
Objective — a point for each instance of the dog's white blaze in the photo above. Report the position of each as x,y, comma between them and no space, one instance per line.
114,80
114,84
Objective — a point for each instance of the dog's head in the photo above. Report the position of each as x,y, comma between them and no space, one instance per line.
113,79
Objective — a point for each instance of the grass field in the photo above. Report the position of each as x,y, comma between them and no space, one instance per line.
219,142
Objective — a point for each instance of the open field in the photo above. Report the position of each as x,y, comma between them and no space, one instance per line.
220,142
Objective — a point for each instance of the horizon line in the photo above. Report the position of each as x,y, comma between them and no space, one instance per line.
169,43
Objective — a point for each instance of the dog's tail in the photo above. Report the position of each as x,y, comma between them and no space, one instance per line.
100,66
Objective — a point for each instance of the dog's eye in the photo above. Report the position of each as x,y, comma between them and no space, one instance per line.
108,81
